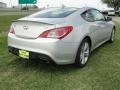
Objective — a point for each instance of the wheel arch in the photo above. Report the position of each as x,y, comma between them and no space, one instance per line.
90,41
89,38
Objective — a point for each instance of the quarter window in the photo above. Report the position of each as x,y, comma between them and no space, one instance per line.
97,15
88,16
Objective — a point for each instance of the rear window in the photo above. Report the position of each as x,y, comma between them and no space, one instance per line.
58,13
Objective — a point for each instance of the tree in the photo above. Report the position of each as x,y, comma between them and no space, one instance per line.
112,3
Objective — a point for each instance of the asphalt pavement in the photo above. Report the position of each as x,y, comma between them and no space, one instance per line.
116,19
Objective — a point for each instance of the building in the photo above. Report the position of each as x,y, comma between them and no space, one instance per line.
3,5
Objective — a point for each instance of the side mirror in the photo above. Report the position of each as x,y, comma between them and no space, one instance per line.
108,19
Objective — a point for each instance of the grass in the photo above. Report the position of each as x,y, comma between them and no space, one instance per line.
14,11
101,73
5,22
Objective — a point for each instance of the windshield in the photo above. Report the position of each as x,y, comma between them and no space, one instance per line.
57,13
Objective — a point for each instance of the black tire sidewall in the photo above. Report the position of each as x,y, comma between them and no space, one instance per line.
111,36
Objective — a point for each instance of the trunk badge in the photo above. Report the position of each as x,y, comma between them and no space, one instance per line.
25,27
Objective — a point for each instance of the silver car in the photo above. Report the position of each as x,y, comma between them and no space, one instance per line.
62,35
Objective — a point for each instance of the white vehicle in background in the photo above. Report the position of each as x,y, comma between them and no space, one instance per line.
111,12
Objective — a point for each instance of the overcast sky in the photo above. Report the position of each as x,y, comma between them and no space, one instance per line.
72,3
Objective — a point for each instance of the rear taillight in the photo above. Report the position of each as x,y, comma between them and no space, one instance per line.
58,33
12,30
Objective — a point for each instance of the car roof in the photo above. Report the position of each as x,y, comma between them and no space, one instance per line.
78,10
83,9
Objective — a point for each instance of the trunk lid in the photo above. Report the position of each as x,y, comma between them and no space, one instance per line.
31,28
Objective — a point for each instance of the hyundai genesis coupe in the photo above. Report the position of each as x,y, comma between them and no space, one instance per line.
61,35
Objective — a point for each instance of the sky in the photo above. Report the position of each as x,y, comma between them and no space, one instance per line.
70,3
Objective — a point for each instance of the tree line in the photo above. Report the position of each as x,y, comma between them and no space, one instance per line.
112,3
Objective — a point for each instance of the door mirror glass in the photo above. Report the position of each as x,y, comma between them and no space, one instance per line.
108,19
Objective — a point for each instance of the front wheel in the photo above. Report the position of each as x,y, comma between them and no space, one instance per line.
112,38
83,53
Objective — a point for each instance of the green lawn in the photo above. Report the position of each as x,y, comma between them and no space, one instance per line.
101,73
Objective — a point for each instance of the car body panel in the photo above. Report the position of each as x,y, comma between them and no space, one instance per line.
62,51
59,51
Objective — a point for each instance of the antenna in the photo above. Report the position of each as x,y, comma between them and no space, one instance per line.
10,3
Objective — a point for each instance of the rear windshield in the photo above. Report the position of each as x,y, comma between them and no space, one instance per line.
58,13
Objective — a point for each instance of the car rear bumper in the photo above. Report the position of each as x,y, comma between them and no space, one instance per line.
32,55
58,51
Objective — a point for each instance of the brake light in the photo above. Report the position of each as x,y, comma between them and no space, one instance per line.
12,30
58,33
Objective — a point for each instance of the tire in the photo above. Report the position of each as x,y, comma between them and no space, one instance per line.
83,53
112,37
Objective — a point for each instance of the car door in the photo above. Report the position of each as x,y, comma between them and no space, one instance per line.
101,31
92,26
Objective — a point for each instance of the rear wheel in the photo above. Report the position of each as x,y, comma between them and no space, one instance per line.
83,53
112,38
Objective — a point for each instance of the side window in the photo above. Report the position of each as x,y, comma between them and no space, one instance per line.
88,16
97,15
